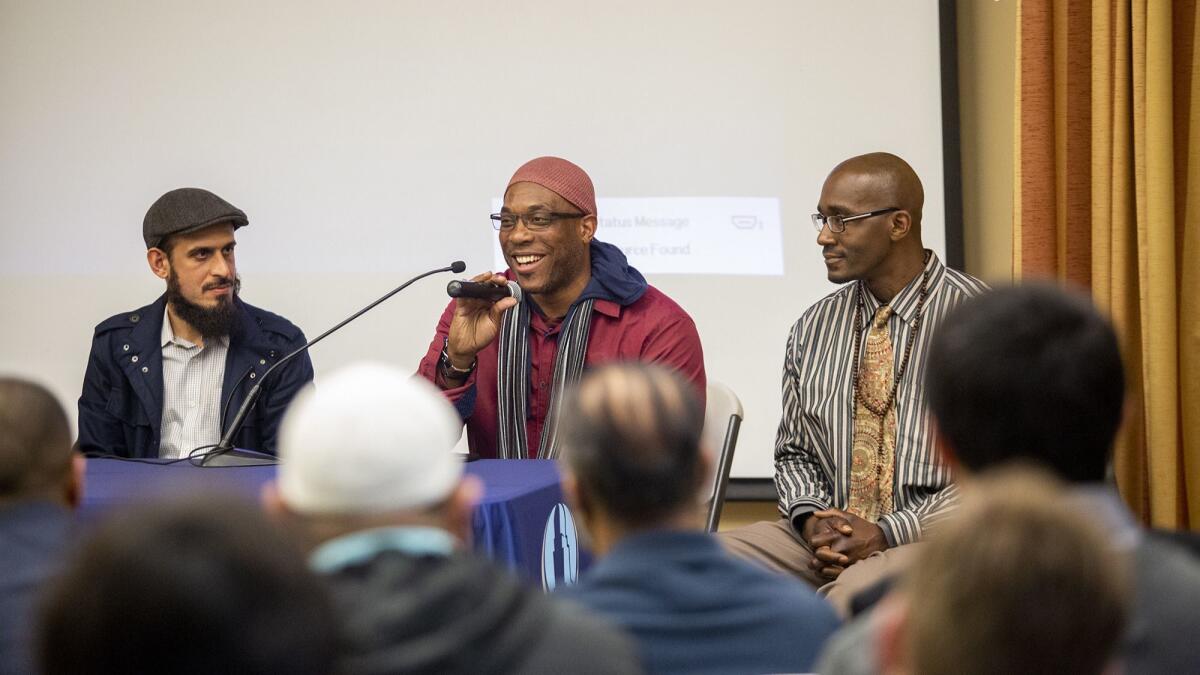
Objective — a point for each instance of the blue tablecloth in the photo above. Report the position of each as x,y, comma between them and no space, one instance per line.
521,521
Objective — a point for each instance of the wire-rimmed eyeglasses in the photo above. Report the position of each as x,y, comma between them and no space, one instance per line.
838,223
538,220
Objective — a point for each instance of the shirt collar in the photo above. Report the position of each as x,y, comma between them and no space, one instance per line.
904,304
608,308
360,546
168,334
539,320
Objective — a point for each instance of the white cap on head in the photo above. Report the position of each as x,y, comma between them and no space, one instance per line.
370,439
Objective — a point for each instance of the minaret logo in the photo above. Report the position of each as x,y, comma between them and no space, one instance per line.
560,549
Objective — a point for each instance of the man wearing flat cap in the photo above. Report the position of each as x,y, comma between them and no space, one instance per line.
505,365
161,380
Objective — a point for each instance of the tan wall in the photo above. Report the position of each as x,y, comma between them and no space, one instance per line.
987,31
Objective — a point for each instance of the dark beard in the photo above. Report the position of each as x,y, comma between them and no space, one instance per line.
211,323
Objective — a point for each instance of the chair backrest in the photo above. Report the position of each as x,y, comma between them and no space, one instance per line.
722,418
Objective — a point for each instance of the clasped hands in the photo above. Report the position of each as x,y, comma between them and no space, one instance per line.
840,539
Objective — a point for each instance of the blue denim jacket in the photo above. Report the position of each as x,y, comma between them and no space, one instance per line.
120,409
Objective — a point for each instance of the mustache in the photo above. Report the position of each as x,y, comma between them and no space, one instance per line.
223,282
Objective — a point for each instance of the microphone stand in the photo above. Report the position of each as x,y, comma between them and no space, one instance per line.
224,454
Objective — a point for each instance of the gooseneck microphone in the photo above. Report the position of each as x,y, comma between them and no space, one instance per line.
225,447
483,290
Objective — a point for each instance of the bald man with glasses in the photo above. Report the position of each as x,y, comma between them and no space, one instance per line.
856,469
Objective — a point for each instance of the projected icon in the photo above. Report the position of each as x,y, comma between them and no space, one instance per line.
746,222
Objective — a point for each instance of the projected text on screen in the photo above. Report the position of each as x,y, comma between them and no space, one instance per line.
690,235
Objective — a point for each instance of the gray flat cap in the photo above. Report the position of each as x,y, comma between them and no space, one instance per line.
187,210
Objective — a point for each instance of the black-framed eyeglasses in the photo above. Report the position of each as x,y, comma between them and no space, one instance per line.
838,223
536,221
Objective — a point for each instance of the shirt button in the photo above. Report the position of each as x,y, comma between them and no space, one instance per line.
191,404
145,369
542,384
252,376
262,362
135,358
125,347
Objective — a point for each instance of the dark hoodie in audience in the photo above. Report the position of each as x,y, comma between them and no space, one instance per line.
450,614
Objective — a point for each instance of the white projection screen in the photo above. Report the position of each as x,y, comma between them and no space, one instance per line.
367,141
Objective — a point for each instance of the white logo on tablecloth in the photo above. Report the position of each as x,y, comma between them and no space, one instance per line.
560,549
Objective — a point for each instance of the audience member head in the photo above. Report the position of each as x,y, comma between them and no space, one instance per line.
1019,582
190,587
631,441
883,249
1029,372
371,447
36,459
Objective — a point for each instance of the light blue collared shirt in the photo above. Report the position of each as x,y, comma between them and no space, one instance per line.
192,380
360,546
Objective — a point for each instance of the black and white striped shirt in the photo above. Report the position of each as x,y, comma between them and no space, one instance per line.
816,432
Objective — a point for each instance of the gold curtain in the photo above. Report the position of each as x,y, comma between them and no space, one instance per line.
1108,128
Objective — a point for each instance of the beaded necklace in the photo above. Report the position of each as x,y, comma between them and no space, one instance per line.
878,410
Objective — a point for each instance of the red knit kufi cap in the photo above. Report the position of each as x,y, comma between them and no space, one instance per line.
560,177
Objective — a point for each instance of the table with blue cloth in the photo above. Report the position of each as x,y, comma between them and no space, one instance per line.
521,522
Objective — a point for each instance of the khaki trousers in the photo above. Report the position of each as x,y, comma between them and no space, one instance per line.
778,547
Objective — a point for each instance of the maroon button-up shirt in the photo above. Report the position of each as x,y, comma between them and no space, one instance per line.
653,328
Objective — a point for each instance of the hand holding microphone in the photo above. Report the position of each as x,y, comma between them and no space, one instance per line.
480,304
483,291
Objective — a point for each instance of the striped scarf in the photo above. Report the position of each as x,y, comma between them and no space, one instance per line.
512,377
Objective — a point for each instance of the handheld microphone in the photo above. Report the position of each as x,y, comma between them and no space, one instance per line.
483,291
225,447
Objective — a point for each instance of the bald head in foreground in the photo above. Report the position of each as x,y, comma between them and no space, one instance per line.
41,481
368,475
635,475
856,467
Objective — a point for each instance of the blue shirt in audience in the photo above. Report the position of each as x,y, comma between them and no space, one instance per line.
34,536
694,609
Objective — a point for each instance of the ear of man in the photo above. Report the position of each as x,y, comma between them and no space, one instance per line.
705,469
587,228
75,485
577,498
268,497
159,261
901,225
946,449
460,507
593,527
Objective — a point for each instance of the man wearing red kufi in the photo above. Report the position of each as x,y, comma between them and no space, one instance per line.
506,364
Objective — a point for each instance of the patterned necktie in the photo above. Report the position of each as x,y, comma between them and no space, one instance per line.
873,457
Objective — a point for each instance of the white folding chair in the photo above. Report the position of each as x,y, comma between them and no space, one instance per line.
722,419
